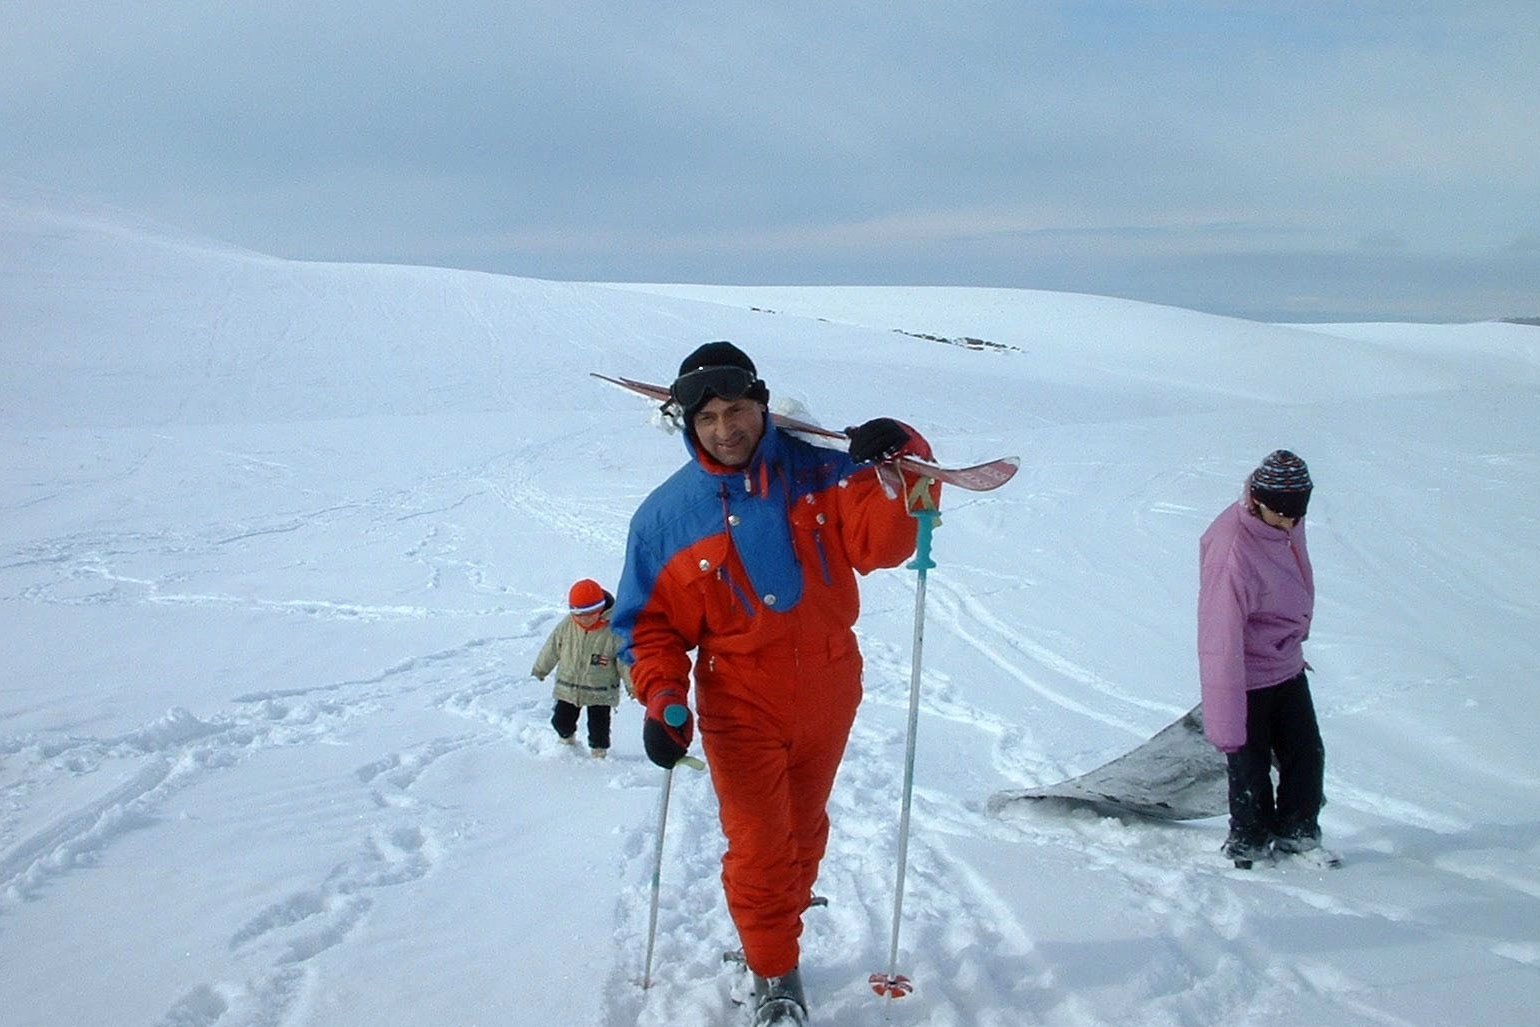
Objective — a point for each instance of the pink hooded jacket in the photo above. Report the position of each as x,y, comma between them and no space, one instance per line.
1256,594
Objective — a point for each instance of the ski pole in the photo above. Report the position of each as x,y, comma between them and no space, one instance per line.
893,984
657,862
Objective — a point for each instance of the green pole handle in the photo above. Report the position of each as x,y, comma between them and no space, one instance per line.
928,519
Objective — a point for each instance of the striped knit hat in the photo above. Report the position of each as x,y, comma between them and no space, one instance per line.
1282,483
587,596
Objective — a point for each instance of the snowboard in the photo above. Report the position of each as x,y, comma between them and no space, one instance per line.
1176,775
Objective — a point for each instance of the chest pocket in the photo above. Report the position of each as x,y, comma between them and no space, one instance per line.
704,572
813,534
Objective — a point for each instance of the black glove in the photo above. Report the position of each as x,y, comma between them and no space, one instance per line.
877,439
668,729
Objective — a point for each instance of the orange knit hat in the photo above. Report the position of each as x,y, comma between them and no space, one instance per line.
586,596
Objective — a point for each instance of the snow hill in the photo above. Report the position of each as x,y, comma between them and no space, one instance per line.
280,540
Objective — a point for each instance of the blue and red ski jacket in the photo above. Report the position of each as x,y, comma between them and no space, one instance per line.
754,560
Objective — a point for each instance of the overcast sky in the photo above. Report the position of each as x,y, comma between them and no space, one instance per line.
1309,159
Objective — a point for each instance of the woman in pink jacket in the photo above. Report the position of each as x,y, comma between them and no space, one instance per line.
1256,594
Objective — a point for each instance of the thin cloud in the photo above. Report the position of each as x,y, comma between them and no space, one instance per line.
609,140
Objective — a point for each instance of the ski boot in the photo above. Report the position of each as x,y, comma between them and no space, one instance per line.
1297,843
1245,854
1307,847
779,1001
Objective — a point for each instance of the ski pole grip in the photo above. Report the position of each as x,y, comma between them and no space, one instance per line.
927,519
675,714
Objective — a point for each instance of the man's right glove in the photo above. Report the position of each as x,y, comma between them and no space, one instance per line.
668,729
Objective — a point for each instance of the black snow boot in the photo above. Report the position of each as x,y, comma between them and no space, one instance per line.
1245,852
1304,841
779,1001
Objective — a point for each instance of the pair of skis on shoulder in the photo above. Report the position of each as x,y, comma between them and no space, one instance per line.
982,477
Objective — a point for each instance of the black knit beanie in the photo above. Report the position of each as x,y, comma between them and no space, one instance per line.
1282,484
721,354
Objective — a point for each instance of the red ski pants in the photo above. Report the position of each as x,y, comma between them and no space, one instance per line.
774,731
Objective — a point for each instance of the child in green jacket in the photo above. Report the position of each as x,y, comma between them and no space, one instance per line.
582,651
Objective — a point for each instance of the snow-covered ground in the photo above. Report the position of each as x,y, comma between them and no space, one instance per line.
279,543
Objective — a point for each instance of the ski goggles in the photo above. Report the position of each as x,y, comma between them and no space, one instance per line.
724,382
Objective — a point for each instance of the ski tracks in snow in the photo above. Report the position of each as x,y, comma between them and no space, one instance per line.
155,761
189,761
268,952
401,845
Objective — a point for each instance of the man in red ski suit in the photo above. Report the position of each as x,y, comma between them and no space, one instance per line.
748,556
